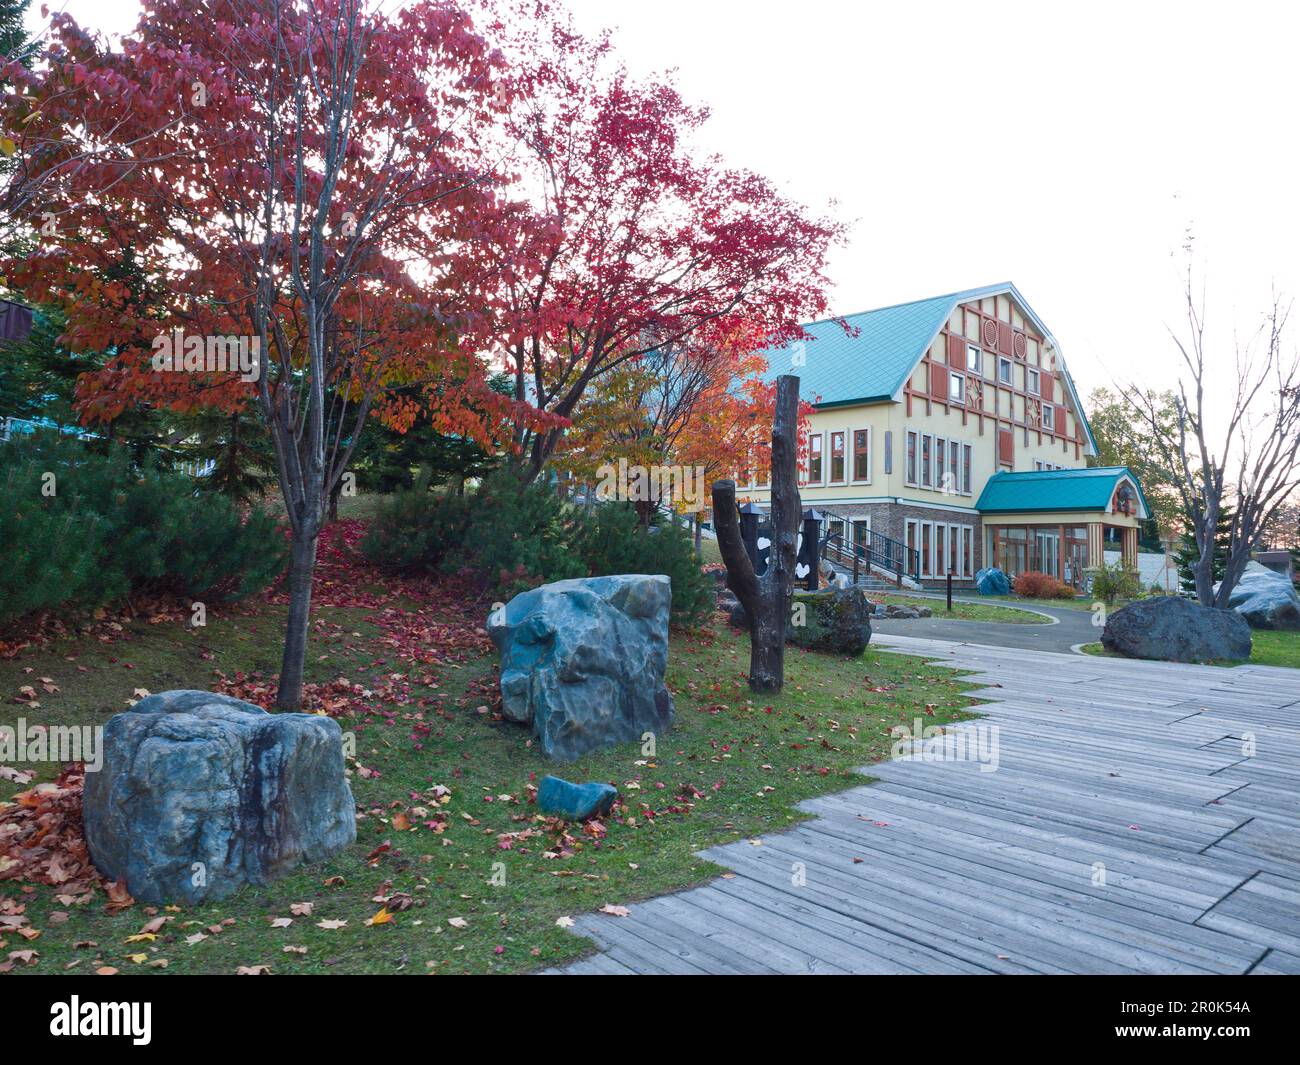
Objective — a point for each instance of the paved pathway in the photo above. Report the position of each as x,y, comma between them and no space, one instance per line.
1060,630
1124,830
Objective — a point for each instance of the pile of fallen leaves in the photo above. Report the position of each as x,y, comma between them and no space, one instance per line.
105,624
42,842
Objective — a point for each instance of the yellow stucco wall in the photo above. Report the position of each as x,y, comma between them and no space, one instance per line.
932,417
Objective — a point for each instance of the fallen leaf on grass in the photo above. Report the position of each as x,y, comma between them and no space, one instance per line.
253,970
564,922
329,926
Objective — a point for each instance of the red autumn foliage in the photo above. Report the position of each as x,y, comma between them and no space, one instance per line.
636,240
42,842
1035,585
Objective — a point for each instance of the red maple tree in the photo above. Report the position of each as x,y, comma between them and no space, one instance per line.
635,241
304,179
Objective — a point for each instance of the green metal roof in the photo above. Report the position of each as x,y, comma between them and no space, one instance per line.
1037,490
835,367
871,363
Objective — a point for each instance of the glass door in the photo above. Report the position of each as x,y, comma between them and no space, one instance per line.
1047,551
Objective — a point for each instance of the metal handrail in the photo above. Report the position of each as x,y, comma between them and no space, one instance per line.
880,551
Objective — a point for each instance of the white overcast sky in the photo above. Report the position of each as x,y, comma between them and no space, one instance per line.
1065,147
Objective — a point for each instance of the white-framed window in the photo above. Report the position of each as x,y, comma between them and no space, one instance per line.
967,453
940,463
1031,381
957,387
943,547
1049,416
1004,370
974,358
839,465
910,467
862,455
927,468
815,465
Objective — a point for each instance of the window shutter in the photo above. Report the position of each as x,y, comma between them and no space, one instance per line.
1048,382
1006,339
957,352
1006,446
938,381
1060,421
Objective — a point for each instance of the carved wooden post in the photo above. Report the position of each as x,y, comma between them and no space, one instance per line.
766,599
812,528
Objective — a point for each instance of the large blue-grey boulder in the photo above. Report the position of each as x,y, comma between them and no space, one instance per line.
992,581
575,802
1265,598
583,661
202,793
1172,629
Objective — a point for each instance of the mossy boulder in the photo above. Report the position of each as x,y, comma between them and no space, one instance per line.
833,620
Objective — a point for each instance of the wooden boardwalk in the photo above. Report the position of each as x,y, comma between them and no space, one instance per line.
1145,819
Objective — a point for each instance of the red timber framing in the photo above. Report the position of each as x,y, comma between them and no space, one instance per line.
987,397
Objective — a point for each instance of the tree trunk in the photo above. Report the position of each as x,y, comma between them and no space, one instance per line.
302,562
766,599
699,539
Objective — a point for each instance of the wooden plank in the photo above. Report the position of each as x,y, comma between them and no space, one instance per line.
1134,765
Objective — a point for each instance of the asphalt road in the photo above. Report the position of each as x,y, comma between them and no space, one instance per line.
1069,628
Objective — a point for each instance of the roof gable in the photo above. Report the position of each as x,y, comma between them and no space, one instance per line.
872,366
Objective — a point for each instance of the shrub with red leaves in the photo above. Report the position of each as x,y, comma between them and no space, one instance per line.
1035,585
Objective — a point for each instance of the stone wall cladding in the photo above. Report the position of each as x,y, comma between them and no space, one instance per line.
890,520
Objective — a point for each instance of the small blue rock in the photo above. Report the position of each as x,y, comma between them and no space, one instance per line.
575,802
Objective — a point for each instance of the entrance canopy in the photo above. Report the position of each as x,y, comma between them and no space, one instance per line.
1109,490
1054,521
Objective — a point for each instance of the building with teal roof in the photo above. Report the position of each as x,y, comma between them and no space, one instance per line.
947,435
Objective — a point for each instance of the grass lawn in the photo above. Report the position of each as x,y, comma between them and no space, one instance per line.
963,611
445,784
1268,648
1058,604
